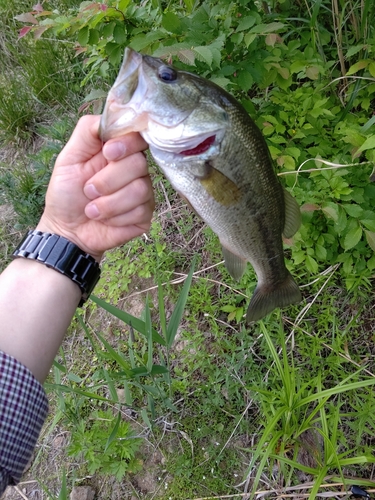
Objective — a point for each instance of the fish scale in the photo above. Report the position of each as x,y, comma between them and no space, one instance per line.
215,156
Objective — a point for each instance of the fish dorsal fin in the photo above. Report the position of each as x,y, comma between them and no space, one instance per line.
234,264
292,215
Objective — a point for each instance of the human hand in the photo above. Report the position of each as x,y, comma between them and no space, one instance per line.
99,197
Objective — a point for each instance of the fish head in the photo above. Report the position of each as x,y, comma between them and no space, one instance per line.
167,106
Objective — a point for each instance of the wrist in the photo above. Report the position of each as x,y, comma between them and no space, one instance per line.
47,225
63,256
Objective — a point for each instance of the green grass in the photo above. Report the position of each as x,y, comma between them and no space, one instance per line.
285,403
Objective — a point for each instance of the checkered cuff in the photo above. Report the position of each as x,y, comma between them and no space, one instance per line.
23,409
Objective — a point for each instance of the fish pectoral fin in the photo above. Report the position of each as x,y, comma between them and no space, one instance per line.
219,186
292,215
234,264
266,298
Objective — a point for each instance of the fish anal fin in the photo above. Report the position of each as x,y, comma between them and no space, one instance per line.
219,186
234,264
266,298
292,215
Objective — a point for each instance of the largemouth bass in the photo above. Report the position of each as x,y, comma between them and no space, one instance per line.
215,156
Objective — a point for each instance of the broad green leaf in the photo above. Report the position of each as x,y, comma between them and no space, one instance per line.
371,263
299,257
246,23
171,22
371,68
221,81
320,252
288,162
358,66
311,265
368,144
139,42
119,34
245,80
296,67
353,237
158,369
369,224
312,72
354,50
186,56
204,54
93,37
267,28
108,29
123,5
115,56
353,210
331,210
249,38
370,237
83,36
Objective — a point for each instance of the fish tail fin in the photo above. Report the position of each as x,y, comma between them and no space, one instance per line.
266,298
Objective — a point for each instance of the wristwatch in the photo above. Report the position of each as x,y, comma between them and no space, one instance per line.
63,256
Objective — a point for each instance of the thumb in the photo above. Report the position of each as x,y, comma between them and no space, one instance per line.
84,142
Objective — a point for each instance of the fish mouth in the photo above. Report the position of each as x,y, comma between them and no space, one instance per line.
118,118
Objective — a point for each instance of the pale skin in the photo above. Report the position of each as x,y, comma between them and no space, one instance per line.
99,197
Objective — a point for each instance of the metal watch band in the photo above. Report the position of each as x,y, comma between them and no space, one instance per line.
62,255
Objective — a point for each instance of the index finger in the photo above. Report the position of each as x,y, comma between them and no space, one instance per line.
84,142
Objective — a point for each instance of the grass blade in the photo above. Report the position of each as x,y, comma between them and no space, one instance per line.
130,320
113,434
149,337
179,308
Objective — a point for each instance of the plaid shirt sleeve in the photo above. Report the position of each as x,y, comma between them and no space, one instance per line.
23,409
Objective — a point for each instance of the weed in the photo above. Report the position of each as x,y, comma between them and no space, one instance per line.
18,113
24,184
285,406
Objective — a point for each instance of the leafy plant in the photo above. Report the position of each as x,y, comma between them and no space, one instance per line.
297,408
107,448
24,185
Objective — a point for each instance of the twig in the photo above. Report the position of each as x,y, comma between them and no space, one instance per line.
20,493
183,278
307,306
283,493
238,423
347,358
332,166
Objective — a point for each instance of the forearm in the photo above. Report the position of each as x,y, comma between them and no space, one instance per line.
36,307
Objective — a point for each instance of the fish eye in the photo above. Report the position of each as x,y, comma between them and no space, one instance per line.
167,74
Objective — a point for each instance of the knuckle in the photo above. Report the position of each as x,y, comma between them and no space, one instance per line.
141,189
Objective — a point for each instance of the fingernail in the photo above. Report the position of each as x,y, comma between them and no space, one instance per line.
91,192
92,211
114,151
